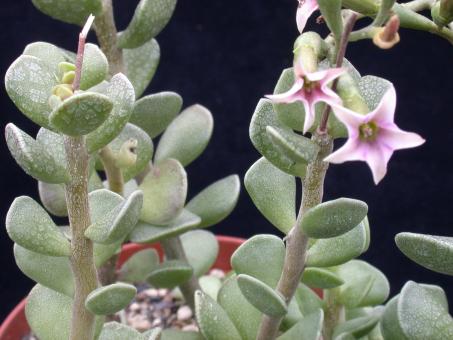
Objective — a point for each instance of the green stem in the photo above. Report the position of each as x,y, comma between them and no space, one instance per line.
297,241
82,262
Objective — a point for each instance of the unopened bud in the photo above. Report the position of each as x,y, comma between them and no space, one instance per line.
63,91
387,36
68,77
127,156
64,67
442,12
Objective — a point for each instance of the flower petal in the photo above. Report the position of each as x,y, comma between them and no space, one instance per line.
304,11
289,96
385,111
377,158
309,115
349,118
352,150
397,139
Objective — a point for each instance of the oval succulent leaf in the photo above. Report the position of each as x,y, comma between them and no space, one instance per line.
262,257
53,198
103,252
102,202
141,64
309,328
170,274
29,84
110,299
33,158
308,301
216,202
53,143
201,249
81,113
333,218
150,17
261,296
210,285
358,327
174,334
121,92
95,67
187,136
273,192
48,53
372,89
147,233
72,12
116,331
137,267
432,252
29,225
389,324
165,191
321,278
212,319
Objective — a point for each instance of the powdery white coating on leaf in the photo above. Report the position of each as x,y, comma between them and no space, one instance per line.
187,136
150,17
53,143
141,64
308,301
201,249
137,267
372,89
357,327
169,274
116,331
309,328
210,285
101,202
110,299
50,54
29,225
29,83
72,12
103,252
53,198
273,192
321,278
95,67
33,158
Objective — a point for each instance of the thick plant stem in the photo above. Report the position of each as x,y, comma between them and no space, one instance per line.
297,241
174,251
334,313
82,263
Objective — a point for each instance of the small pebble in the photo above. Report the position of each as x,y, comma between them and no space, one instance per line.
190,328
140,323
152,293
134,307
184,313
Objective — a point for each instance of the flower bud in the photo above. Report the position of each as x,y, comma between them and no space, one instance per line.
387,36
442,12
127,156
68,77
63,91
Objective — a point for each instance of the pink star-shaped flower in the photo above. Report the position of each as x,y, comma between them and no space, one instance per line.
310,88
304,11
373,137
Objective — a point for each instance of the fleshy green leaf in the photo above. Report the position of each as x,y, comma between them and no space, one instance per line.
29,225
29,84
358,327
174,334
432,252
52,197
261,296
321,278
141,64
121,92
309,328
331,13
137,267
50,271
72,12
337,250
187,136
116,331
293,316
216,201
372,89
165,191
110,299
150,17
33,158
81,113
103,252
210,285
333,218
48,53
212,319
273,192
308,301
390,326
262,257
170,274
147,233
155,112
53,143
201,248
95,67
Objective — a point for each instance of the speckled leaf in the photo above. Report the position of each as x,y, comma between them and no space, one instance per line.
244,316
309,328
53,198
29,84
121,92
95,67
53,143
103,252
262,257
81,113
337,250
216,202
212,319
352,71
364,285
110,299
187,136
321,278
165,191
150,17
358,327
263,117
201,248
116,331
174,334
273,192
308,301
50,271
144,149
72,12
29,225
33,157
170,274
147,233
210,285
155,112
48,53
152,334
141,64
293,316
102,202
389,325
137,267
432,252
119,222
372,89
261,296
333,218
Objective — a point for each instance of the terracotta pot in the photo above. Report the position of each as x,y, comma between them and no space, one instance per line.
15,325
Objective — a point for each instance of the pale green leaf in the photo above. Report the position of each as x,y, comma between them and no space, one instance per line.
95,67
321,278
72,12
170,274
138,266
110,299
201,249
309,328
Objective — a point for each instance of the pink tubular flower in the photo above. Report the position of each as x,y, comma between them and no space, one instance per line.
373,137
310,88
304,11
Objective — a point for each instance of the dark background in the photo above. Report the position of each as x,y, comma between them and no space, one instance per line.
228,54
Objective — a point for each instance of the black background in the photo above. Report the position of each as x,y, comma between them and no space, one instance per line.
228,54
